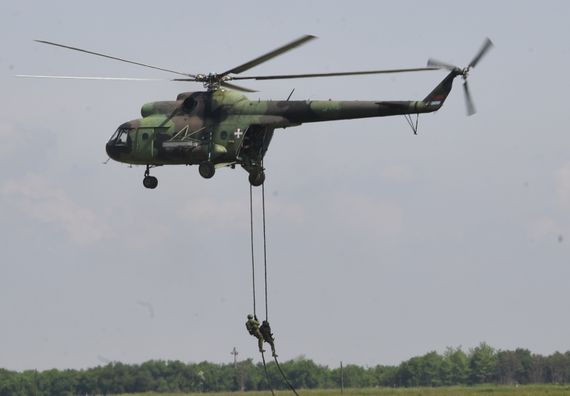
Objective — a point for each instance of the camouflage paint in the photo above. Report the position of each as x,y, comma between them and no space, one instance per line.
225,127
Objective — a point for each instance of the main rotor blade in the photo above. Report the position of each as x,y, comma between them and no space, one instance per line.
356,73
236,87
269,55
439,64
468,100
114,58
93,78
487,45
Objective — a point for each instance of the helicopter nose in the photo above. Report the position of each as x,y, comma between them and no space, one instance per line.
117,151
112,150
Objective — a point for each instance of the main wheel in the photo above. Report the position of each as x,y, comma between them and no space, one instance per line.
257,179
150,182
206,169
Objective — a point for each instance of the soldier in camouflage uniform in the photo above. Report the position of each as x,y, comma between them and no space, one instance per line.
252,326
265,331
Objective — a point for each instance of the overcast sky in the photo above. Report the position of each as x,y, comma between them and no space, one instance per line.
382,245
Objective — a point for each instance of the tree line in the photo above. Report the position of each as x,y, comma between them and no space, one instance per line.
480,365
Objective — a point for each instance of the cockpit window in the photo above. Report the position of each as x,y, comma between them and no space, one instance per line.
121,136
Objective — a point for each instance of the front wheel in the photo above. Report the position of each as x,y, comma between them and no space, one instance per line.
207,169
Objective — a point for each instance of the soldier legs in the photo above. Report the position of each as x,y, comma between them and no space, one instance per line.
260,343
272,348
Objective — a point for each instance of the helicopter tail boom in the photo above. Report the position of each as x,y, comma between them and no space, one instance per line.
298,112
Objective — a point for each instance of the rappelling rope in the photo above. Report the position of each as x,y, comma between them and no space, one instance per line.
267,374
264,250
252,250
266,282
284,377
253,274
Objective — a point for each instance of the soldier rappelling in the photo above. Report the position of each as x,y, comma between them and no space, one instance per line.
252,326
265,331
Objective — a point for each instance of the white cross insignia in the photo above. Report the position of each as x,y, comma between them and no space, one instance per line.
238,133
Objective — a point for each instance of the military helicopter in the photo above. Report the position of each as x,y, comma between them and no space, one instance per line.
222,127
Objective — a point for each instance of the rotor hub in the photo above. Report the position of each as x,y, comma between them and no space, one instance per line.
213,81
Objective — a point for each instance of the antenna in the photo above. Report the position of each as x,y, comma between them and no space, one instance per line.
291,94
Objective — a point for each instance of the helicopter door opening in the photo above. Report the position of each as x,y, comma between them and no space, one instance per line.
255,143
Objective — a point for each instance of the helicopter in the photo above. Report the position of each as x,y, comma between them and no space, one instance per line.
221,127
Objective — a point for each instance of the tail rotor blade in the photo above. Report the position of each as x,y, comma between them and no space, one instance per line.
442,65
487,45
468,100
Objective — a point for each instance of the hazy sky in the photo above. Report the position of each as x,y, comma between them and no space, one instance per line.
382,245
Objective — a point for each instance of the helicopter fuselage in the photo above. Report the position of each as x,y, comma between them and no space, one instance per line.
221,127
226,127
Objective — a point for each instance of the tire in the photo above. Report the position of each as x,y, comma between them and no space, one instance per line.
256,179
207,169
150,182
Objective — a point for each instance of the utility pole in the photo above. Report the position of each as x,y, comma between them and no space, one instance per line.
235,353
341,378
239,376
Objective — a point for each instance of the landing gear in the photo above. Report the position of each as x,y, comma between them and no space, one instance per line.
149,181
207,169
256,179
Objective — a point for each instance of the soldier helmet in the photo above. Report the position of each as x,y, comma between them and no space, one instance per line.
250,316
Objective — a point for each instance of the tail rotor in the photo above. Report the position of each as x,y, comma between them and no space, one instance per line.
464,72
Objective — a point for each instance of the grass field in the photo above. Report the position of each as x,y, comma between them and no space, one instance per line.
550,390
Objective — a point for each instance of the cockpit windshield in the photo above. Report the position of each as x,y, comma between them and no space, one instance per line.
120,136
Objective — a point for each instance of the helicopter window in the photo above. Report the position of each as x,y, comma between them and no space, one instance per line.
145,136
114,137
121,136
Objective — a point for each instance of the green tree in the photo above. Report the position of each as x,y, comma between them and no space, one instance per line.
354,377
304,373
431,369
409,373
457,365
506,367
482,362
522,375
385,375
537,370
557,368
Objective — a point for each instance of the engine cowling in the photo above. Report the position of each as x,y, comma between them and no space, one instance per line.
162,107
